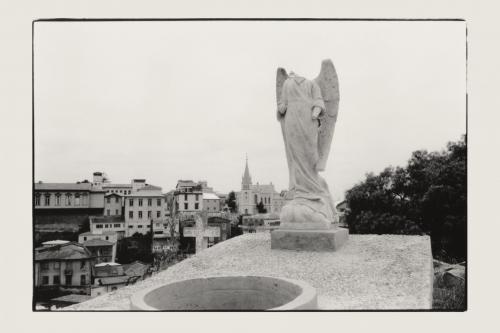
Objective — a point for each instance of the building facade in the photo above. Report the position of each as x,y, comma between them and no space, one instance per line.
211,203
67,265
66,206
144,208
188,196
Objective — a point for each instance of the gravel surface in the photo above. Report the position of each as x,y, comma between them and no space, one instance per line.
369,272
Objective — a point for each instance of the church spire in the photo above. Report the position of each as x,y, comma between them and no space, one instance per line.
246,180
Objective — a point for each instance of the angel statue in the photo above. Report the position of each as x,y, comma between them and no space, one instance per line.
307,111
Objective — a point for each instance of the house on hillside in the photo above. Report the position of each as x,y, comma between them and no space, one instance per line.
60,268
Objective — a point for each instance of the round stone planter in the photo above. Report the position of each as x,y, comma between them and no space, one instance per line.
228,293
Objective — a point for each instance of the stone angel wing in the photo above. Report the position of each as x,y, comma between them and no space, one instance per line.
328,82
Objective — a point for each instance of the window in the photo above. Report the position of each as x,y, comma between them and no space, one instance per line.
47,199
196,205
150,202
84,238
44,266
116,212
158,213
56,279
197,197
107,238
68,279
130,226
140,214
130,214
128,191
83,280
82,264
140,202
106,225
107,212
37,199
117,225
139,226
108,200
117,200
56,264
45,280
98,226
157,225
77,199
120,191
68,199
185,197
131,202
158,202
58,199
149,214
185,205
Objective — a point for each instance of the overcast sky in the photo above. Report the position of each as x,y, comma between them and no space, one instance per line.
187,100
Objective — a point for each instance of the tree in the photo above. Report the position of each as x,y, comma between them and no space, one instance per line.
260,208
231,201
428,196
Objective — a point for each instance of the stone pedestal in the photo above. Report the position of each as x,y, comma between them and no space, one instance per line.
309,240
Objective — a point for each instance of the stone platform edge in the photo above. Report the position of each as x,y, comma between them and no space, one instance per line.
309,240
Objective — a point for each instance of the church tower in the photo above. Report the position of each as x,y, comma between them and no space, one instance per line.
246,181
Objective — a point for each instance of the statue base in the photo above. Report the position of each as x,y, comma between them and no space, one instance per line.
309,240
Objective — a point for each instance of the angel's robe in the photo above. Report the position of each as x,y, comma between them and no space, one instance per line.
300,132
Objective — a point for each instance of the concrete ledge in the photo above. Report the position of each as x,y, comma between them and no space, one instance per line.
309,240
370,272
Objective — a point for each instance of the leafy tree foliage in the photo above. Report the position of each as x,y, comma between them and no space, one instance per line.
260,208
428,196
136,247
231,201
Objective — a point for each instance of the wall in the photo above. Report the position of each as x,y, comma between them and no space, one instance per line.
74,265
191,201
141,225
114,207
211,205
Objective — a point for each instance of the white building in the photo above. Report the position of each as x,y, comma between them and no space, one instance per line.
188,196
211,203
144,208
251,195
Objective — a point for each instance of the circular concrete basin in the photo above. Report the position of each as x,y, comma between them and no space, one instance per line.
228,293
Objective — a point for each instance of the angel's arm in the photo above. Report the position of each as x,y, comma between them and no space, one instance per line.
317,98
283,102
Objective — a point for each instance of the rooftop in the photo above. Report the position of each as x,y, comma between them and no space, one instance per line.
68,251
63,186
55,242
105,233
104,264
210,196
110,185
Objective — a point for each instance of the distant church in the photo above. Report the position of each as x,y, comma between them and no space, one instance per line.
251,195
